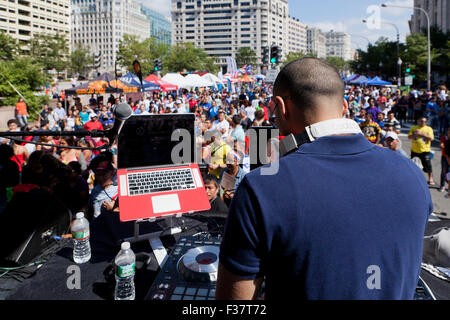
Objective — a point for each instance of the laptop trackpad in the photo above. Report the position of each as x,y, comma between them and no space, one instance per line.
166,203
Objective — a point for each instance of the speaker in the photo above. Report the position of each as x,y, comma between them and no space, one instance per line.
28,225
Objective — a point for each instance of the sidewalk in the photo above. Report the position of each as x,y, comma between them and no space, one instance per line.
441,204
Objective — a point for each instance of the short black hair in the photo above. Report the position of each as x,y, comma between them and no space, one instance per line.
211,178
12,121
307,79
236,119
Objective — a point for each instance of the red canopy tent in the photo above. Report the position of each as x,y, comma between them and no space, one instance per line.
165,86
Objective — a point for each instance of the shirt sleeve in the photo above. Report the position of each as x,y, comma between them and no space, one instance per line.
241,248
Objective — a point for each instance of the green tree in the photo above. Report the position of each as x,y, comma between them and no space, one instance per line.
9,47
292,56
338,62
185,57
131,49
26,76
245,56
52,51
80,59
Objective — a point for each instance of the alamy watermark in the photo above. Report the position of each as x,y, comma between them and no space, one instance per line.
263,148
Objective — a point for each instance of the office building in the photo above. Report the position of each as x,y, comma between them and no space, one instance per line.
160,26
316,42
101,25
338,44
438,11
297,39
221,27
21,19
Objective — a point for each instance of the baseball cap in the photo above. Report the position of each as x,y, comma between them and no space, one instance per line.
391,134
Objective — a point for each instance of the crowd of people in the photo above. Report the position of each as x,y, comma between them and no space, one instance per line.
79,169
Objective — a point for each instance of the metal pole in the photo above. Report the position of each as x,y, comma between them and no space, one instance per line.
428,36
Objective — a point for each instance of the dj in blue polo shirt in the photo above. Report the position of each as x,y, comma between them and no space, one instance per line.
324,226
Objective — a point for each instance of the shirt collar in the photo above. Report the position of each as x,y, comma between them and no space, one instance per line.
342,145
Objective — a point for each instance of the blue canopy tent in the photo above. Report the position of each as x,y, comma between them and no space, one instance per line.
132,80
360,80
377,81
351,78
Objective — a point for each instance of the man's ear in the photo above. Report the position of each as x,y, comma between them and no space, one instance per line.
284,110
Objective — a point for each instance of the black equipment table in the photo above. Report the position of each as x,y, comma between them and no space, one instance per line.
97,280
97,276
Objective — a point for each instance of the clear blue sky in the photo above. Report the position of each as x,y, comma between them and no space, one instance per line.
339,15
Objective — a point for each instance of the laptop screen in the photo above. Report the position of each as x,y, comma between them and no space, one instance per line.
146,140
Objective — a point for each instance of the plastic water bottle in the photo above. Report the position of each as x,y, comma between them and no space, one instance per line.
80,235
125,268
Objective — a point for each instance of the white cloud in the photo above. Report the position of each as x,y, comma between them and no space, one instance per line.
161,6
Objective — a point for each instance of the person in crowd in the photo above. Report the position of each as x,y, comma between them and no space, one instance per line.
218,207
250,112
218,153
61,114
273,230
246,123
9,173
93,124
392,122
237,132
221,124
21,112
79,189
235,171
443,116
421,136
43,114
392,142
86,114
361,117
444,141
431,112
105,191
373,109
371,129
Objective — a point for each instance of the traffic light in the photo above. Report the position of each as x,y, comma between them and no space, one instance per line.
157,65
275,54
265,59
408,68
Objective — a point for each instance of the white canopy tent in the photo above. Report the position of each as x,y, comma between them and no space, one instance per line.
178,79
195,81
213,79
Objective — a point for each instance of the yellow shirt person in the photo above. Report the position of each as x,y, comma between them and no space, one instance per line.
421,143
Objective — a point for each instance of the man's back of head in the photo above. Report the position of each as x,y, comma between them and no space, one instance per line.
312,84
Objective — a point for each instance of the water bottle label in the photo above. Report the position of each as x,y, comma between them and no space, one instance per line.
80,235
125,271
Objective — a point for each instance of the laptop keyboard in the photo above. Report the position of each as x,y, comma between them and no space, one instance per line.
160,181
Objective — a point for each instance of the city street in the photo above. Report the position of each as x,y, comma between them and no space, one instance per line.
441,204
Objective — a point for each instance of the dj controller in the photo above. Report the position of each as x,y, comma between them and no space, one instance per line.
190,271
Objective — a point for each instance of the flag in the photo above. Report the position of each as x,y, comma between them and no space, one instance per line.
232,68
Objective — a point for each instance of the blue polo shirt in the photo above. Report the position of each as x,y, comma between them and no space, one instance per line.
342,219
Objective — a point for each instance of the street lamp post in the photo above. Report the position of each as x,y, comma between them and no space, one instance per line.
428,36
398,48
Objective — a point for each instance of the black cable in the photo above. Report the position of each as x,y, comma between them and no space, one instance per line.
62,147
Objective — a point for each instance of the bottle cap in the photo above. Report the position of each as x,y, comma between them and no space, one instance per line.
125,246
80,215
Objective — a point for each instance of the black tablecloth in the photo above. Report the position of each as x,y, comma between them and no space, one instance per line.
97,277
